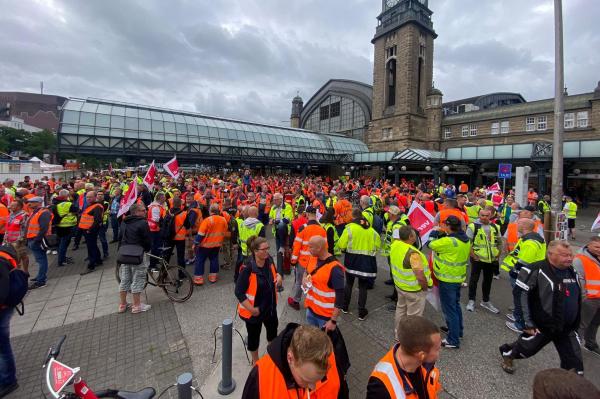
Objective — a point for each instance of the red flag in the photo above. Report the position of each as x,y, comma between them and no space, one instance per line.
150,176
494,188
129,198
421,220
172,168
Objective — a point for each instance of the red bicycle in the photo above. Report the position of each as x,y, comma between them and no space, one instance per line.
59,376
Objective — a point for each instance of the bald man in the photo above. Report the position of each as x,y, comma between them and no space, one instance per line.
323,284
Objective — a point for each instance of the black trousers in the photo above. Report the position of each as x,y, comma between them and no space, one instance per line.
254,329
488,275
363,283
180,247
566,345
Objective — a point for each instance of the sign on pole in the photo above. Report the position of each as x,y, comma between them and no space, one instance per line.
505,171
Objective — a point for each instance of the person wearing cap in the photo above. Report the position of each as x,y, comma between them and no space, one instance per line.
395,220
38,226
451,247
301,255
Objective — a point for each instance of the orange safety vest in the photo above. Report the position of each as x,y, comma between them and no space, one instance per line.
512,233
592,276
33,227
251,293
214,229
3,218
320,298
180,230
199,219
444,213
155,226
272,384
13,228
300,252
397,383
87,220
463,188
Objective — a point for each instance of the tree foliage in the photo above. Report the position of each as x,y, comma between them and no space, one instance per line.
35,144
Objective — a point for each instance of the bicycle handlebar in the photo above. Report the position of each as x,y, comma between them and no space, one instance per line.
54,350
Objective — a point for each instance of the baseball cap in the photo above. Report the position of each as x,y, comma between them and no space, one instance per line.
394,210
35,199
311,209
453,221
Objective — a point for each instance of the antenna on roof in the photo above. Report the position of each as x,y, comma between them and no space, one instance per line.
42,87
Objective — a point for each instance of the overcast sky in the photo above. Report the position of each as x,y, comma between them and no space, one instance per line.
246,59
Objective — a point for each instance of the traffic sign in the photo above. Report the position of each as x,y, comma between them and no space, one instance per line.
505,171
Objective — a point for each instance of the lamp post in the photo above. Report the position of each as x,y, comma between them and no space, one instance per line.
559,107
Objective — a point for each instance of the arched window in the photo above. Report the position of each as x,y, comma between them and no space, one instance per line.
391,82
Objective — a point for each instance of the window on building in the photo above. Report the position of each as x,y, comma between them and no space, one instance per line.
386,133
504,127
495,127
465,131
324,112
391,82
582,119
530,124
569,120
542,122
334,110
447,132
473,130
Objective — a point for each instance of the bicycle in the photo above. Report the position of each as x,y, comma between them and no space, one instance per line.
175,281
59,376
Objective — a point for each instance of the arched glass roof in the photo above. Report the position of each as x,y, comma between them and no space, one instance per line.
108,119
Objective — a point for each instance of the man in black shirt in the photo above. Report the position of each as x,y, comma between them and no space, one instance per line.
551,303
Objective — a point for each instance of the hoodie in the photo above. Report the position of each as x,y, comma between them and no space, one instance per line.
135,231
251,223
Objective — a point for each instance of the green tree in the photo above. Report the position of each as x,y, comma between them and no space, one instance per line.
41,143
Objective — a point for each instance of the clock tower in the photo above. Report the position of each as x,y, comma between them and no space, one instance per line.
406,108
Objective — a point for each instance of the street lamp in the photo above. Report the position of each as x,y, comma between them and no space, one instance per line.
482,169
403,168
390,168
446,168
352,167
576,171
428,168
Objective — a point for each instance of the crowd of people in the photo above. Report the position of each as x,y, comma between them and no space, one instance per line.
329,233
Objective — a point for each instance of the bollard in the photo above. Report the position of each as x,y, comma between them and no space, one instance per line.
184,386
227,384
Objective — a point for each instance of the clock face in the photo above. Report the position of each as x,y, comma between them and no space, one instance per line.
391,3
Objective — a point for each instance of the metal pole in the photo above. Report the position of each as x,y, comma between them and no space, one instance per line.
184,386
559,107
504,186
227,384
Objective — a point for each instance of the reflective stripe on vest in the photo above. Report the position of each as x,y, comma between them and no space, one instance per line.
251,293
352,250
213,228
452,271
14,226
33,227
486,249
592,276
68,219
336,237
320,299
180,230
245,233
404,277
87,220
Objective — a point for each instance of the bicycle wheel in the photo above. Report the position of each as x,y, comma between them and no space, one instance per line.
177,284
118,275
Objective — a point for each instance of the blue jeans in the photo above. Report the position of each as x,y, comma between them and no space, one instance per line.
8,371
102,238
63,245
42,260
517,311
114,224
313,320
450,299
212,254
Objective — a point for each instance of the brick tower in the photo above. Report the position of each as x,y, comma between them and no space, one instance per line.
402,78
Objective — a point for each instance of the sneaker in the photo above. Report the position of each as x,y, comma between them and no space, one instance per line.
510,317
448,345
471,306
142,308
344,310
593,349
198,280
293,304
362,314
48,252
190,261
36,284
54,252
488,305
496,277
507,364
513,326
123,308
444,329
464,284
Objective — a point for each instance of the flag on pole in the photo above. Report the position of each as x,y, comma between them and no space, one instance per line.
172,168
150,176
129,198
421,220
494,188
596,224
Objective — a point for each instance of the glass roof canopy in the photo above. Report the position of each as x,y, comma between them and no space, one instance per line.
106,120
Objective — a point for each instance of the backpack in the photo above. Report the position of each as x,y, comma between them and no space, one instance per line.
167,226
17,288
